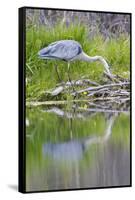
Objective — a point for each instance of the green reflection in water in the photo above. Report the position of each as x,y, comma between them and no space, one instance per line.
68,149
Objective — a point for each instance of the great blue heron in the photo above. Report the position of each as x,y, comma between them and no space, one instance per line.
69,50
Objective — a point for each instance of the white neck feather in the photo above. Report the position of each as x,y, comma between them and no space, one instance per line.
85,57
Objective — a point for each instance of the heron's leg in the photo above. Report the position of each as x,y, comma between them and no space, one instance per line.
70,78
57,73
68,73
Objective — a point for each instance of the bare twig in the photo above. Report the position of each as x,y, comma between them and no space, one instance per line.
102,86
110,99
103,110
98,92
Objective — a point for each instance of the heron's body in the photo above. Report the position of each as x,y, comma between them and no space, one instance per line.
66,50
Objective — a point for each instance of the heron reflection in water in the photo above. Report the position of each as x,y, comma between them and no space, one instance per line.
74,149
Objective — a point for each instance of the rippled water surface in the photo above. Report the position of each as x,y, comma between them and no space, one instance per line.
68,149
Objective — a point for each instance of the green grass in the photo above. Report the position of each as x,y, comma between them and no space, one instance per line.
41,74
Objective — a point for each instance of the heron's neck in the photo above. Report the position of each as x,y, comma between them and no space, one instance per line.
101,139
87,58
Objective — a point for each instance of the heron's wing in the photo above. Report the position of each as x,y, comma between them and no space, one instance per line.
64,49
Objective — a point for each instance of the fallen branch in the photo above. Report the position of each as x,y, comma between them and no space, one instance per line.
110,99
98,92
100,87
103,110
115,78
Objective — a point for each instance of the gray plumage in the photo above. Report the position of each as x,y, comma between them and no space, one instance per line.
65,50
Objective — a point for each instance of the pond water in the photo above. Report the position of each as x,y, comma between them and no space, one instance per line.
71,149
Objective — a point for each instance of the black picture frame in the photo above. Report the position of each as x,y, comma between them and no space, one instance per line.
22,101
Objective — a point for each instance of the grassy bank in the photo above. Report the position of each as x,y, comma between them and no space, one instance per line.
41,75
